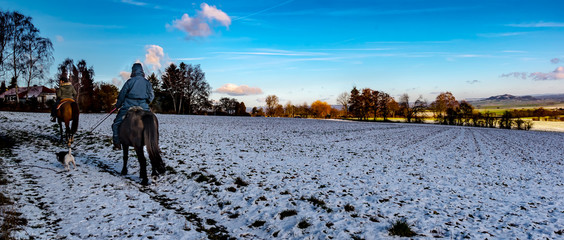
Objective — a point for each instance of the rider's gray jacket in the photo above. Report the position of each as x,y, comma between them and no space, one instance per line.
137,91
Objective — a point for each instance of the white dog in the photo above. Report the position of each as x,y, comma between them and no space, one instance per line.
66,159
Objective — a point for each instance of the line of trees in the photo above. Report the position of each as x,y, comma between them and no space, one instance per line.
447,110
368,103
318,109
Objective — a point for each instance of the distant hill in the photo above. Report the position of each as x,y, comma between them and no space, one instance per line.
511,97
511,101
556,97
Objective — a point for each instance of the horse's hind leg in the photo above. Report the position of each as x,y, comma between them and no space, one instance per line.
125,156
67,133
61,131
142,165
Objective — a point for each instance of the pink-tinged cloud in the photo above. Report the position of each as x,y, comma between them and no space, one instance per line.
555,60
194,27
154,56
522,75
124,75
557,74
199,25
234,90
212,13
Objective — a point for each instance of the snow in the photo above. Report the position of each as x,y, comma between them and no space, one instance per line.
555,126
446,181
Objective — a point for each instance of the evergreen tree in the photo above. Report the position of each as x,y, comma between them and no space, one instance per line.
86,79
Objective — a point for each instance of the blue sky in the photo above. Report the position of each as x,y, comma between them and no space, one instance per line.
304,51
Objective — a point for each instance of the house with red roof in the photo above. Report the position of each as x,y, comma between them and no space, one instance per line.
42,93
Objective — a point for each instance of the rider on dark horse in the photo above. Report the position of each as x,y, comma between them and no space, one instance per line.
66,90
137,91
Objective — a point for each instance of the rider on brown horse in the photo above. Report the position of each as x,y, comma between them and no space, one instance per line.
65,91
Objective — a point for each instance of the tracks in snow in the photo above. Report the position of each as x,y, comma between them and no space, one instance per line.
47,218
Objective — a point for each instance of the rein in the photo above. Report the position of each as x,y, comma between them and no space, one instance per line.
98,124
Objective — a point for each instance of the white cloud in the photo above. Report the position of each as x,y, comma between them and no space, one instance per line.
189,59
472,82
496,35
514,51
537,24
234,90
136,3
199,25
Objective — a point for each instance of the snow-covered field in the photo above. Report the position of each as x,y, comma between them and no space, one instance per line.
265,178
548,126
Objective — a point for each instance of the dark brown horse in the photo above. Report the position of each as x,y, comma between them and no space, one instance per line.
141,128
68,111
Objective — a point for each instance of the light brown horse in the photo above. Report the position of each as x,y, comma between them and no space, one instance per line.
141,128
66,112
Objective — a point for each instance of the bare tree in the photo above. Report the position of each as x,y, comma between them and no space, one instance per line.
442,103
384,102
343,100
5,37
289,109
271,104
411,111
38,57
16,28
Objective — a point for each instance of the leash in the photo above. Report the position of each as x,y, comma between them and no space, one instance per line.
98,124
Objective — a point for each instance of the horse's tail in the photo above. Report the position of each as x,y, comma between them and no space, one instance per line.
151,138
75,114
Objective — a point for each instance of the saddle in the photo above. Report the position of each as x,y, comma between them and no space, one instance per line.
63,101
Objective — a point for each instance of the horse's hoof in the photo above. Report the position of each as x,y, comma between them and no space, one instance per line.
145,182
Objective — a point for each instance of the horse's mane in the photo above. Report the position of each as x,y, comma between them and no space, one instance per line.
135,108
